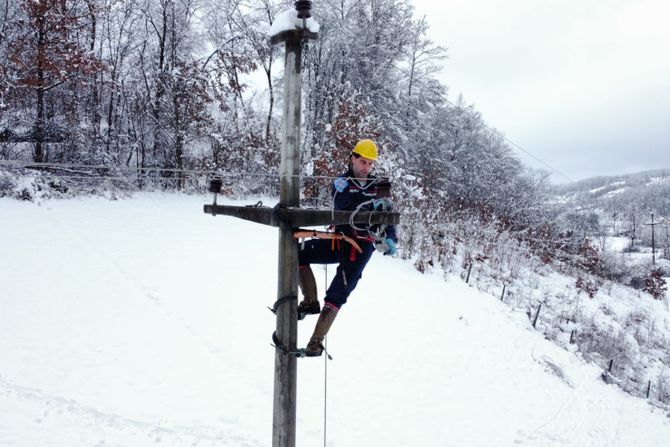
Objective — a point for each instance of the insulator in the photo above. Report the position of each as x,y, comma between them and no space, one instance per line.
215,184
304,8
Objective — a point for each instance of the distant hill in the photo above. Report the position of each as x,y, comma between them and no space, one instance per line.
618,206
596,187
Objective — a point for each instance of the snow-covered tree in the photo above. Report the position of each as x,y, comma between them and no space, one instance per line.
50,60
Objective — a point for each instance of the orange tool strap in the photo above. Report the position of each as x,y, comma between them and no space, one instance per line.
300,233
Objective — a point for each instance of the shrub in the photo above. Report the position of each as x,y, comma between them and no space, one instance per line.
654,284
589,286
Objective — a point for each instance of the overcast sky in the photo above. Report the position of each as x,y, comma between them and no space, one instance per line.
583,85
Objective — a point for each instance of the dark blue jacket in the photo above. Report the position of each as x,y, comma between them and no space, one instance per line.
348,193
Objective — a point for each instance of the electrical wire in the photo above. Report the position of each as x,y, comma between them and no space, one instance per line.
147,176
85,176
272,174
356,211
148,170
512,143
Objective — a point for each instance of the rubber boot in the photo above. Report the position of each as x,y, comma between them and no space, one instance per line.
315,346
310,304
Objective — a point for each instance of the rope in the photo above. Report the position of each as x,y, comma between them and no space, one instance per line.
325,375
356,211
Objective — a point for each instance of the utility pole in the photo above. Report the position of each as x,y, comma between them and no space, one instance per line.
288,217
653,239
666,245
285,383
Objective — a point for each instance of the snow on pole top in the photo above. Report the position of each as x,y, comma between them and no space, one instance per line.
289,21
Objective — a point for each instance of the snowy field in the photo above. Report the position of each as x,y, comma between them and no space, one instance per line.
143,322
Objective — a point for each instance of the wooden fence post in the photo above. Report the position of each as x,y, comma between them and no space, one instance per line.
537,314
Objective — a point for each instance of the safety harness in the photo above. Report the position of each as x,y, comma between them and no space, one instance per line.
335,237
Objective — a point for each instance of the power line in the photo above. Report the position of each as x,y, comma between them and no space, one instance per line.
146,171
512,143
268,174
29,164
535,158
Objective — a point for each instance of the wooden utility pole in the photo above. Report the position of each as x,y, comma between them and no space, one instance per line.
288,216
653,239
666,244
285,386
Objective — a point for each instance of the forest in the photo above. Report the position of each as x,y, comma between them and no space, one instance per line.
161,92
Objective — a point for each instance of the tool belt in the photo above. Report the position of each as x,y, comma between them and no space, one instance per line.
301,233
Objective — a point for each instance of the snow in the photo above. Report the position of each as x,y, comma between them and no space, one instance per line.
288,20
617,191
617,244
143,322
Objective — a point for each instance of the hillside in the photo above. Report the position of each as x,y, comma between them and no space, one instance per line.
618,211
598,186
144,322
648,191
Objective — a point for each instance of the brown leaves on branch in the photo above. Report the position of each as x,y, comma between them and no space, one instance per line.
47,50
655,284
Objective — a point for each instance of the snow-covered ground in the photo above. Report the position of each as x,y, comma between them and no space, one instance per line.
617,243
143,322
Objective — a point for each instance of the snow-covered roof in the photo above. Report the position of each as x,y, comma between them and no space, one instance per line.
288,21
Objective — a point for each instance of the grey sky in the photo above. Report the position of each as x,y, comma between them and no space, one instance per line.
584,85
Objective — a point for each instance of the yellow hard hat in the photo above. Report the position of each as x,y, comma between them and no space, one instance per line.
366,148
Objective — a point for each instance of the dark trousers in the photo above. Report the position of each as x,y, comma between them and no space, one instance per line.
349,271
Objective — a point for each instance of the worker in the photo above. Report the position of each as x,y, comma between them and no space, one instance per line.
357,189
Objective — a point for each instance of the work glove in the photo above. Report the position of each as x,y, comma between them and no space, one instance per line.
391,247
381,204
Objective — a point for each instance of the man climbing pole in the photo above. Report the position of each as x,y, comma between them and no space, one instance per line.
355,190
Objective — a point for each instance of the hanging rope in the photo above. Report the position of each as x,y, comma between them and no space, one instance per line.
325,375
